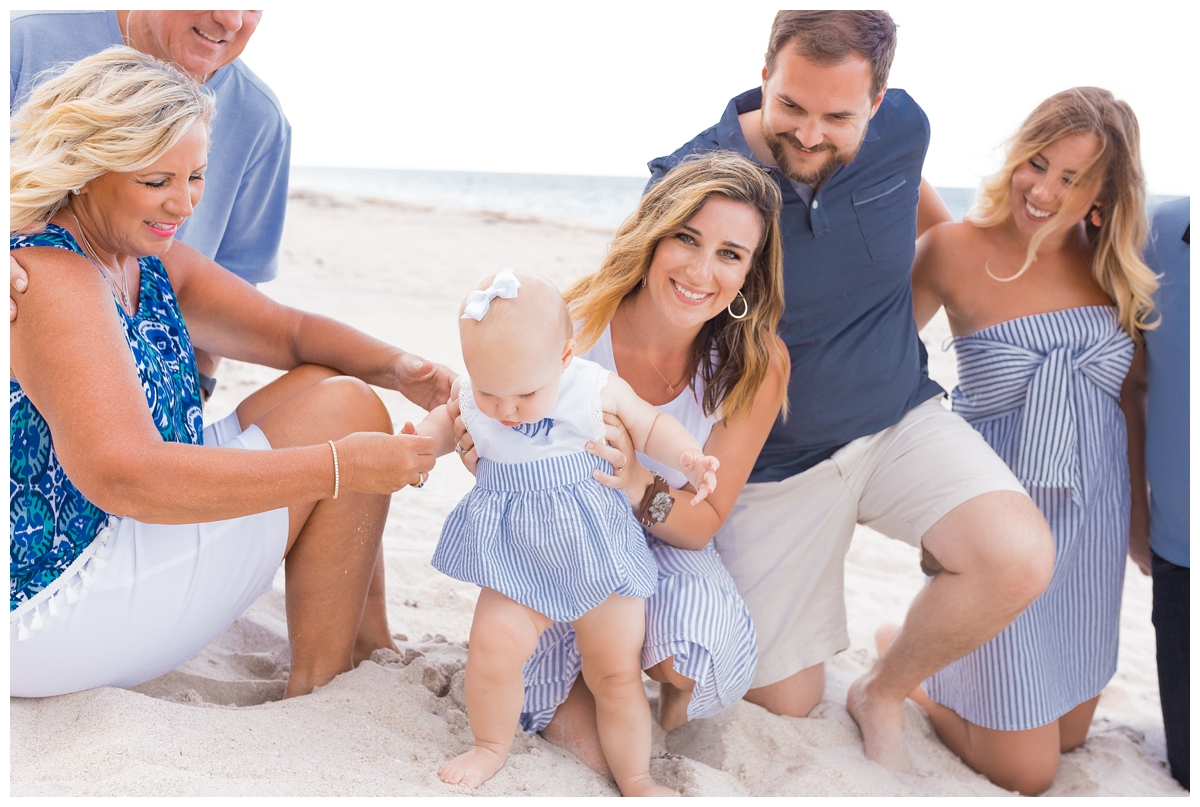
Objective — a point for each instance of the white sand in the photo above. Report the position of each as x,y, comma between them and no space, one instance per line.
214,726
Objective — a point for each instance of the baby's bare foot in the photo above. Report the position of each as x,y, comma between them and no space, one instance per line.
672,706
472,768
644,785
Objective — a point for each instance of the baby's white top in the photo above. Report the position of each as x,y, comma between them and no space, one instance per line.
683,407
576,418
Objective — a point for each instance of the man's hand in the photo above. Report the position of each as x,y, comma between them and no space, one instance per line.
18,281
421,381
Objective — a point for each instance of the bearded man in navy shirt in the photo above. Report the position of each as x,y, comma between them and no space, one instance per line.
868,440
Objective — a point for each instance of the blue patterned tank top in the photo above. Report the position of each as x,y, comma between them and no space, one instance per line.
50,522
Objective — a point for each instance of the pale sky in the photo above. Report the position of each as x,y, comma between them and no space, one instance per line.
600,88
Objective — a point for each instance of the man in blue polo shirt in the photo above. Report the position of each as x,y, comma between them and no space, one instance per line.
1159,523
240,223
868,440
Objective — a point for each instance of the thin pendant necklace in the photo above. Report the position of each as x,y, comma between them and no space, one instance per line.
636,341
109,276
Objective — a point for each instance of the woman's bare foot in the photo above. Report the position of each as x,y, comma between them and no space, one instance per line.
672,706
644,785
473,768
884,635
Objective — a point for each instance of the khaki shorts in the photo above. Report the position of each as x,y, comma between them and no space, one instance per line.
785,542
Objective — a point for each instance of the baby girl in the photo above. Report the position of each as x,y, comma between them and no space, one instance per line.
544,539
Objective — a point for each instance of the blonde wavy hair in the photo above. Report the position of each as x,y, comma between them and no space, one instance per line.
730,358
1118,242
118,110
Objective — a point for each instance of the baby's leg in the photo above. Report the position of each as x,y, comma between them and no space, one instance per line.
503,635
610,642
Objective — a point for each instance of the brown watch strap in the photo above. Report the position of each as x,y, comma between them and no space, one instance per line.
659,485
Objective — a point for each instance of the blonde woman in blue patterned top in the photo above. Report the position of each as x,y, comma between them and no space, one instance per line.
137,535
1046,293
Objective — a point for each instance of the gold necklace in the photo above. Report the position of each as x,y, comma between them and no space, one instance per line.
109,277
636,341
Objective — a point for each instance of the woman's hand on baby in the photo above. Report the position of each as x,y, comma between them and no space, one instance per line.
423,382
618,451
373,462
701,471
464,445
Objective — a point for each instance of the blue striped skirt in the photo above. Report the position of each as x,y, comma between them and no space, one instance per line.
548,535
695,615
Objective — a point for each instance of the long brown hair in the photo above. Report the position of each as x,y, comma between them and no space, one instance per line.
743,348
1118,242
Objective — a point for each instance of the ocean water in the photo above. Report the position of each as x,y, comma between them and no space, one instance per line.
598,201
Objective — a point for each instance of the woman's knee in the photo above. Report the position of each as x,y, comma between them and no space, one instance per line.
1031,778
354,403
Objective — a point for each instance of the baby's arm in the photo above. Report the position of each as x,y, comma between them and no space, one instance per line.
439,425
660,436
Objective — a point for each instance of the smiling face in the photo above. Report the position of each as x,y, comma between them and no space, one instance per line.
138,213
200,42
699,269
1040,186
815,116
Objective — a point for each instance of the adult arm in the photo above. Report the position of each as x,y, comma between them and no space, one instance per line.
735,444
69,353
926,286
18,281
229,317
931,209
1133,405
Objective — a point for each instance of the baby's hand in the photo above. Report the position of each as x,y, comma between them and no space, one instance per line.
701,470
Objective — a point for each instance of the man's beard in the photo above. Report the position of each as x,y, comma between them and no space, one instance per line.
822,172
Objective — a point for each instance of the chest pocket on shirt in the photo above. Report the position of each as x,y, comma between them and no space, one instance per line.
887,216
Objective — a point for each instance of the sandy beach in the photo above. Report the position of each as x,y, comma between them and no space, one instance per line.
216,726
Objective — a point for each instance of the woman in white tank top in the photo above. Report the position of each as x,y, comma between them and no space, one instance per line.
684,309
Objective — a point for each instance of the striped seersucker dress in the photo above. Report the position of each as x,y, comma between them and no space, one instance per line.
1043,391
695,616
537,527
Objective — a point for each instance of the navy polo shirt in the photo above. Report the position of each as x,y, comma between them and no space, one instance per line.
857,363
1167,364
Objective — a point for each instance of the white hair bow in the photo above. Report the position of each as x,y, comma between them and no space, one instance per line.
505,285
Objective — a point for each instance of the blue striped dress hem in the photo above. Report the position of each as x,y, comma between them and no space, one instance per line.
548,535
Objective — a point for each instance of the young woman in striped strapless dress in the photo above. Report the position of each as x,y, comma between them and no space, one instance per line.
1046,294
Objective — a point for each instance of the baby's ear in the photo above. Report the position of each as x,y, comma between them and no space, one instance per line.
568,352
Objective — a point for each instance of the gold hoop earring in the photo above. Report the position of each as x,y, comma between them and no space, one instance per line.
745,306
643,281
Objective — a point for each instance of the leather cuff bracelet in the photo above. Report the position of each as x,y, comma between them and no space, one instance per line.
656,504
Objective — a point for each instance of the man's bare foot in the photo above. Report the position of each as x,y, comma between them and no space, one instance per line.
472,768
881,721
643,785
672,706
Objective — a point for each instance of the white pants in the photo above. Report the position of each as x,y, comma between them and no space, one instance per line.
144,598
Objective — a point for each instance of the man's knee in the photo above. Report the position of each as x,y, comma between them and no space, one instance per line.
795,696
1001,536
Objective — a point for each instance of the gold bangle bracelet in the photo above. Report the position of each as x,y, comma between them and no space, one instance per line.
337,476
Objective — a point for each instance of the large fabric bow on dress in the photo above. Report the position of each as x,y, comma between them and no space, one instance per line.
997,378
